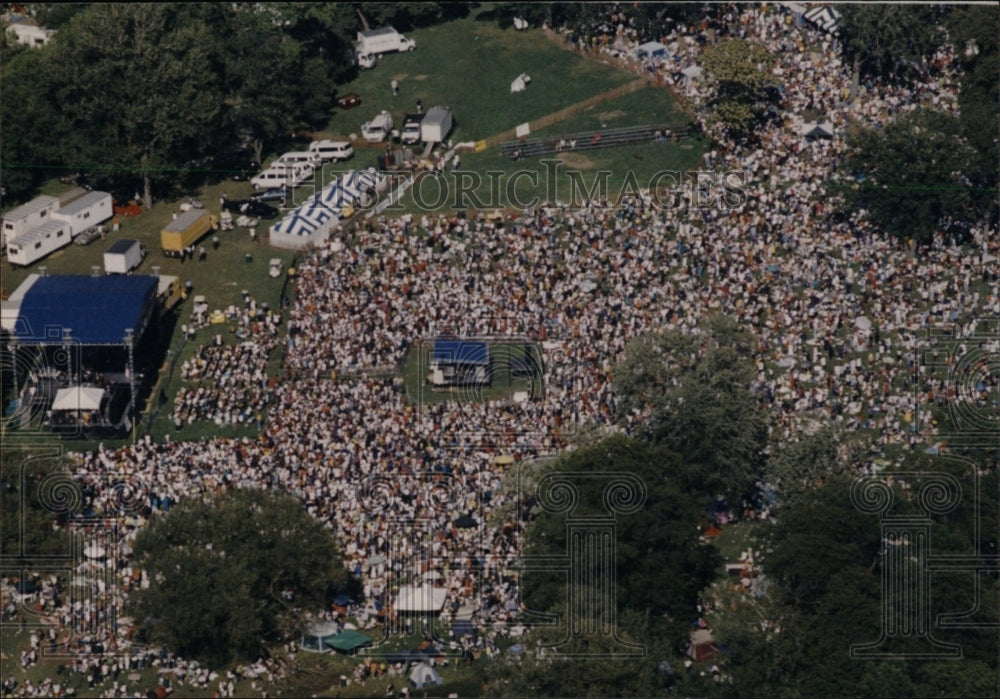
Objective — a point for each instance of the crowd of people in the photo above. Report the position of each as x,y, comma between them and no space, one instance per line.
842,316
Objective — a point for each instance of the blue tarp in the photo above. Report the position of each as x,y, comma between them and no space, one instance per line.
96,310
461,352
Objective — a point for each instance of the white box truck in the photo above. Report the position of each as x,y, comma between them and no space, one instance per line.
38,242
382,40
91,209
436,125
123,256
27,216
378,129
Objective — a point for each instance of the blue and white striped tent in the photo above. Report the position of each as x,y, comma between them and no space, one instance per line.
297,230
335,197
824,17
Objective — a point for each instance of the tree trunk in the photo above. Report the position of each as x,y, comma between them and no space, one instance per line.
364,21
258,151
147,193
855,75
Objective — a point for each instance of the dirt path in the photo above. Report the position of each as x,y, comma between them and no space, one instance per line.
567,112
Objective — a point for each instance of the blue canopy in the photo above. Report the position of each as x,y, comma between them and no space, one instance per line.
96,310
461,352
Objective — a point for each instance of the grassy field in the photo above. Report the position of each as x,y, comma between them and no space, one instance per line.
468,65
479,96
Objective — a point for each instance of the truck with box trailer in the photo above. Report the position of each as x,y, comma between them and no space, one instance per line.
186,230
436,125
123,256
32,246
90,210
382,40
27,216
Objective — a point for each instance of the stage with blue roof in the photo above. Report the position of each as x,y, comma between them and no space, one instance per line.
95,310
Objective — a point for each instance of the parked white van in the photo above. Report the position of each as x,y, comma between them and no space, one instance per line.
294,157
332,150
282,176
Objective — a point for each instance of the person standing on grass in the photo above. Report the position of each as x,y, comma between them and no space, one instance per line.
395,87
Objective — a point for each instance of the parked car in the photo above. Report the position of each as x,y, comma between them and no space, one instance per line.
250,208
349,101
273,194
88,236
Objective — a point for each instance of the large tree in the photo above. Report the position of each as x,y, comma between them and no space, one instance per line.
660,567
233,573
137,88
916,174
888,38
694,393
744,82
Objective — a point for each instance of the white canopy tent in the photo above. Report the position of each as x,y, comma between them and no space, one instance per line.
651,49
78,398
691,73
423,675
422,600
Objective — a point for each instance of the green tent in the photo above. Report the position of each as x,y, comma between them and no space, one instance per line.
348,641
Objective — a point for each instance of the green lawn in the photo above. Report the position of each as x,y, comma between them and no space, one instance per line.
468,65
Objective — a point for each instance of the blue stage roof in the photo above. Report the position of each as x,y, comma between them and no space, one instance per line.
97,310
461,352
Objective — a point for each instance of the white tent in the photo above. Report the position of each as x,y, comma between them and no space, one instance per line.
426,598
691,73
74,398
423,675
817,130
315,637
520,82
651,49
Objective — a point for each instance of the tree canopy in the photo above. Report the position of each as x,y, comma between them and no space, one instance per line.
916,175
742,71
229,574
694,394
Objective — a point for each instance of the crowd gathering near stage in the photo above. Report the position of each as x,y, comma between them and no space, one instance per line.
841,314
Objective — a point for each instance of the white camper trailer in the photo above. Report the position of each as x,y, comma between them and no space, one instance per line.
382,40
89,210
38,242
27,216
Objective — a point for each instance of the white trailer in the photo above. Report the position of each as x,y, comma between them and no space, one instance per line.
378,129
38,242
123,256
436,125
382,40
89,210
27,216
